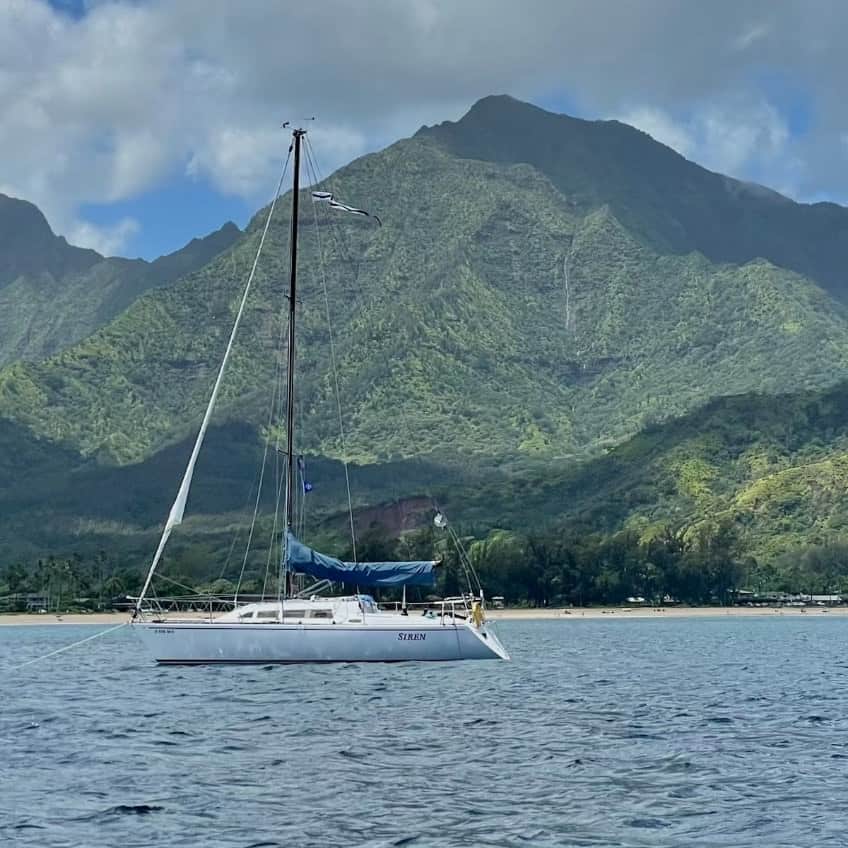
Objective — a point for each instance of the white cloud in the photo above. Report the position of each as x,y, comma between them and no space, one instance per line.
137,159
662,127
751,35
109,241
98,109
735,136
236,159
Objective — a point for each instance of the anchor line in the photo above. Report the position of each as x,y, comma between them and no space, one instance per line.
68,647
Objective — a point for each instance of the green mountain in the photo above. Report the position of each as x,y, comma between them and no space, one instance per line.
673,204
53,294
542,289
774,467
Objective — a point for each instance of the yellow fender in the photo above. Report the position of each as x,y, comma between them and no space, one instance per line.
477,616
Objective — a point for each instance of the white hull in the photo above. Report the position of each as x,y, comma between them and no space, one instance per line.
202,643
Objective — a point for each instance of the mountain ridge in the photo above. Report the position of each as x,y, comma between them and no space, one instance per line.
500,263
675,204
28,244
508,315
53,294
774,467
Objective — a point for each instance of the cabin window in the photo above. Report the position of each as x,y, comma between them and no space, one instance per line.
321,613
294,614
266,614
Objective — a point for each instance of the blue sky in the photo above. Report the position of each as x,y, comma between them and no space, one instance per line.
136,126
170,214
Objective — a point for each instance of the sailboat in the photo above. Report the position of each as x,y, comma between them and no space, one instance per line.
308,626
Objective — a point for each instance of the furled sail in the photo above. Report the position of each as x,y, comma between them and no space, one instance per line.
303,559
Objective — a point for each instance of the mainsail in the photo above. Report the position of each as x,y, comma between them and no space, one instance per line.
305,560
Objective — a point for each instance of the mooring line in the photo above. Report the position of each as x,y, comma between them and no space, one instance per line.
68,647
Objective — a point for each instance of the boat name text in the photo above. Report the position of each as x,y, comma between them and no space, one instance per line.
411,637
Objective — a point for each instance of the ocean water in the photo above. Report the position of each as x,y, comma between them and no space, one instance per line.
702,732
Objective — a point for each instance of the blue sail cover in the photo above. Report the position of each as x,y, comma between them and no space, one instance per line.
306,561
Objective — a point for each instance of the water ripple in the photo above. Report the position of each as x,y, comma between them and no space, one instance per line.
599,733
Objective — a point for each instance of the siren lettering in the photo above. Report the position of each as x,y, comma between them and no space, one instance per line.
415,637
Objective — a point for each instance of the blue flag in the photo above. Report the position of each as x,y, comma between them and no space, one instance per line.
301,467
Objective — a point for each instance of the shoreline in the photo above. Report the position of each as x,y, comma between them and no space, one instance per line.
515,614
576,613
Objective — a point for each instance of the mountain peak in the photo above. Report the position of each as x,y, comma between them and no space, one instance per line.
668,202
29,246
504,113
493,113
196,253
21,218
502,103
53,294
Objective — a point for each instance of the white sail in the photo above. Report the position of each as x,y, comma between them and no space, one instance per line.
175,516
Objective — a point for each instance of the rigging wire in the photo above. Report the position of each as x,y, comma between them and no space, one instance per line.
342,246
467,566
465,559
256,486
301,476
175,516
208,597
340,237
272,412
339,232
468,569
259,485
279,482
333,360
273,541
243,510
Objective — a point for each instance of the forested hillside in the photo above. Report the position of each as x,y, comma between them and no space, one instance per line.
53,294
559,324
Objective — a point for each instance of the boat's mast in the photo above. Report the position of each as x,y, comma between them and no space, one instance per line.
297,136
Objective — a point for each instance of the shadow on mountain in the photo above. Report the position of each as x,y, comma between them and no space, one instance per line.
673,203
732,441
51,496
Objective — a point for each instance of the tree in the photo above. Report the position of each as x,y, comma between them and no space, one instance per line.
16,578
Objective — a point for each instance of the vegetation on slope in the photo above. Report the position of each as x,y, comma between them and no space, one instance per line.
453,327
506,322
774,469
53,294
745,493
666,200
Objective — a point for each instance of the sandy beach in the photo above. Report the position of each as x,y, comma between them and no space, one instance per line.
522,614
573,613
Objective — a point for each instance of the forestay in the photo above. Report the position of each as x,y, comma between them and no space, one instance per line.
305,560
